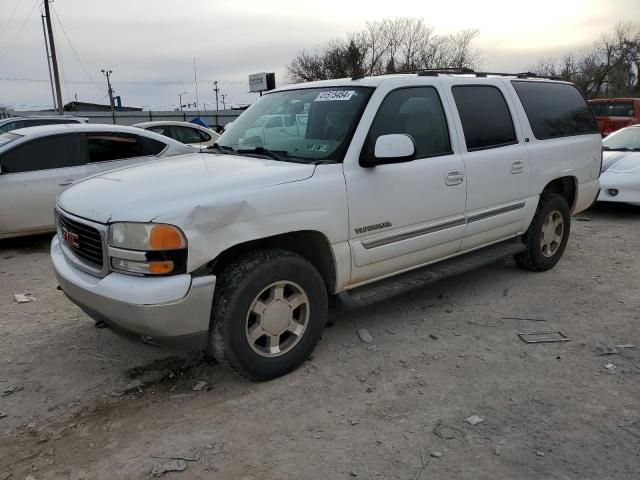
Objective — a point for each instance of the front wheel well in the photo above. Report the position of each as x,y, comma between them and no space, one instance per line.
565,187
311,245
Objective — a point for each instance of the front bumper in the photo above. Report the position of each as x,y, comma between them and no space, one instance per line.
171,311
627,186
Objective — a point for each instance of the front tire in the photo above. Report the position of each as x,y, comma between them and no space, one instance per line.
268,313
547,236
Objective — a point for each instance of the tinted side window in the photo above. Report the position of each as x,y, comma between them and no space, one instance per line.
555,109
415,111
104,147
485,117
44,153
204,137
185,134
7,127
151,146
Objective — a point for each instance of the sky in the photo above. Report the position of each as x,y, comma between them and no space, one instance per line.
150,45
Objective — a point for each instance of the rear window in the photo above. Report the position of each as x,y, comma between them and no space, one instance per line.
612,109
555,109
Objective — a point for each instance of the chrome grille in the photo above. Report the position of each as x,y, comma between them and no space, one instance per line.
83,240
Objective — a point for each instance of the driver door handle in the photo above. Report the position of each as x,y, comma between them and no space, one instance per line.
517,166
454,177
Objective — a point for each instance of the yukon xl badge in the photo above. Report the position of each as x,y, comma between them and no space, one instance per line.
371,228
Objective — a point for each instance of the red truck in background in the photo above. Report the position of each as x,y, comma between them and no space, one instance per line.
615,113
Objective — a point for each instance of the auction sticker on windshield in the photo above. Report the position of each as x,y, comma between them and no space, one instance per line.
335,95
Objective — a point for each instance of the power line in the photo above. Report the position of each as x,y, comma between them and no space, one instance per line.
73,49
8,22
15,39
160,83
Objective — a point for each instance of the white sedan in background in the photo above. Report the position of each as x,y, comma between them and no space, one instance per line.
191,134
620,178
37,163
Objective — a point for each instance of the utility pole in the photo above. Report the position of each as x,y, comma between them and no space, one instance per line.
180,97
46,47
224,104
216,89
107,73
54,59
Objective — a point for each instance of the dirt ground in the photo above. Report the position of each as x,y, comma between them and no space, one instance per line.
92,405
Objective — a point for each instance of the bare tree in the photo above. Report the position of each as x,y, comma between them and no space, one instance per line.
387,46
609,68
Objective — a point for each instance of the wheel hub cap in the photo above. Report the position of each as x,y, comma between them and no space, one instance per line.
277,319
551,233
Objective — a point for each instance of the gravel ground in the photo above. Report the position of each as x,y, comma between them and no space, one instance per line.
91,405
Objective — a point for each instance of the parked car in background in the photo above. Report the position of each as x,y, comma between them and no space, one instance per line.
13,123
190,134
37,163
239,251
620,178
615,113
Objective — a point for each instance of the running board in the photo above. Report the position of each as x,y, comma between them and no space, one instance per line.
405,282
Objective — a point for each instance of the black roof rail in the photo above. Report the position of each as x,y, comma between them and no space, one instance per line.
434,72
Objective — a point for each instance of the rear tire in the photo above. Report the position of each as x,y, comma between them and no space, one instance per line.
268,313
547,236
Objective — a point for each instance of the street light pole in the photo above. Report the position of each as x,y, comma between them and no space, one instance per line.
107,73
180,97
216,89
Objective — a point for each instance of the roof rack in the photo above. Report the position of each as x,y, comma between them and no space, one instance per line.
467,71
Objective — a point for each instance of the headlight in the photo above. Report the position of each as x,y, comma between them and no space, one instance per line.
147,249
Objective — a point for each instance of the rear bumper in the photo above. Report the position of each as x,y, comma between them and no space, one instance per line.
169,311
627,186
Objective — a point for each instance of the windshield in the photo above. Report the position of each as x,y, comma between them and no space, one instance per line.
612,109
309,124
625,139
8,137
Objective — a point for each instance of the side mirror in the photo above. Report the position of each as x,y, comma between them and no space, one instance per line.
392,148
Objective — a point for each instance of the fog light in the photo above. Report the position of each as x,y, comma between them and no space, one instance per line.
613,192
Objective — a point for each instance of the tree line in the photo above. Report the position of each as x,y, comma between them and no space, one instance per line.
608,68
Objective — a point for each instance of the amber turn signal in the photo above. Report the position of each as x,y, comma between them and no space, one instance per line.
165,237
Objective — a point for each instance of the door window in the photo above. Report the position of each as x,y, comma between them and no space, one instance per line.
485,117
186,134
44,153
415,111
105,147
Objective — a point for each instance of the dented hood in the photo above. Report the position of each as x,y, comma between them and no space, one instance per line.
144,192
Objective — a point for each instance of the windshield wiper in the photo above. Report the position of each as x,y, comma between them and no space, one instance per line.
220,148
280,155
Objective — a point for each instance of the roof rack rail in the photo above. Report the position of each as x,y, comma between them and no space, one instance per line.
434,72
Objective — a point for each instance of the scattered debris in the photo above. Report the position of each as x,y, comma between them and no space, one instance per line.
525,318
24,297
424,465
180,396
610,367
364,335
173,466
2,415
540,453
11,389
615,350
488,323
436,454
189,455
352,473
132,386
543,337
433,337
198,387
524,354
445,431
389,331
474,420
354,422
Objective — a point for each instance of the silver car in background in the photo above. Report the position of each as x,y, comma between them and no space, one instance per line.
37,163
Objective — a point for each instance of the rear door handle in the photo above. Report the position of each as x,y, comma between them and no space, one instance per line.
517,166
454,177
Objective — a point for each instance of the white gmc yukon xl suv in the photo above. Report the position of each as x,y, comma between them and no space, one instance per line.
367,187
